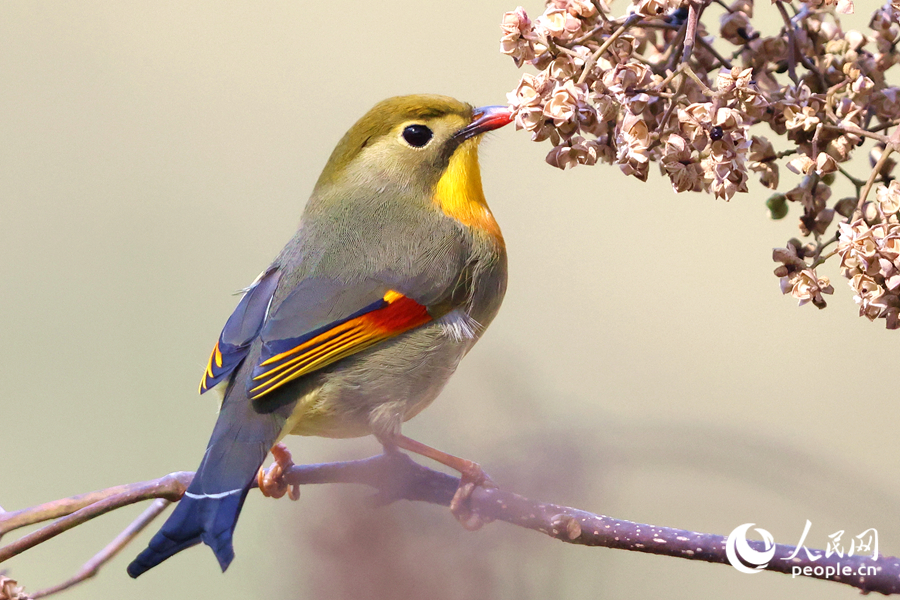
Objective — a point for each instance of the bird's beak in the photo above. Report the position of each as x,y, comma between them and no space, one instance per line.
484,119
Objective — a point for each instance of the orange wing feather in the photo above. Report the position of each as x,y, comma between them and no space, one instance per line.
398,315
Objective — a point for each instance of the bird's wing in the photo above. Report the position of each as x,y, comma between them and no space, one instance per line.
323,321
240,330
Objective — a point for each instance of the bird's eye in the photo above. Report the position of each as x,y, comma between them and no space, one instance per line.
417,136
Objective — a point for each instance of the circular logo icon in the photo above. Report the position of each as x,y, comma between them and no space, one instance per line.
744,558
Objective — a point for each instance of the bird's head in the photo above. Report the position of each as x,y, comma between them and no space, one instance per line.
410,141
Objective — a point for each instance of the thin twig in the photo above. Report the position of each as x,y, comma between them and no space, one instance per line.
725,6
641,58
92,567
631,20
677,47
848,128
569,52
743,47
587,36
599,6
170,487
829,99
659,25
818,259
795,55
815,141
872,176
722,60
695,10
885,125
857,183
778,155
12,520
665,82
799,15
822,259
652,25
690,73
792,42
671,108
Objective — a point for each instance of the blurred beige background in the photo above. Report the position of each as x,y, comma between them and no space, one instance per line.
155,157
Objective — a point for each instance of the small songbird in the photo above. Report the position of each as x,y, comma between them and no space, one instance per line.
395,272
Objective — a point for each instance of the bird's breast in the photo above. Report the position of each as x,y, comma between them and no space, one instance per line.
460,196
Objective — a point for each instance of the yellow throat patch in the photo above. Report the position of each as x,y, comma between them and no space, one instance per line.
459,193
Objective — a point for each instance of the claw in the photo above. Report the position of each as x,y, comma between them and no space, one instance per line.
271,481
471,477
460,506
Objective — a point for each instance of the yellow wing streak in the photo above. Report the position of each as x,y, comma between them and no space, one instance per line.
345,338
208,374
390,297
310,343
303,369
399,315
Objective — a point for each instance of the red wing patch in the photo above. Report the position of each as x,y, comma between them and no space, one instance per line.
287,360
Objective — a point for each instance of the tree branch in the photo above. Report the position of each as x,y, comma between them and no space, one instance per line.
81,509
395,476
92,567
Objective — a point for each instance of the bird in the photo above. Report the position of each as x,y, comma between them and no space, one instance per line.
397,268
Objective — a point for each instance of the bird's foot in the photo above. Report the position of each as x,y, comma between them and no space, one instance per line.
271,481
471,477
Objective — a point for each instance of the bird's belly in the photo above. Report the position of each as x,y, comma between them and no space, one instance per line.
378,389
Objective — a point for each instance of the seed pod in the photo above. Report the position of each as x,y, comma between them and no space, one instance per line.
777,205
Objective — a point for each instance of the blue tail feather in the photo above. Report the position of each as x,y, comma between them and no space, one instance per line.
201,519
209,510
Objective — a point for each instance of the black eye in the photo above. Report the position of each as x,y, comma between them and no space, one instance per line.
417,135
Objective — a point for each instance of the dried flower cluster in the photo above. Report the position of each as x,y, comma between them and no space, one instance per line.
869,247
10,590
710,106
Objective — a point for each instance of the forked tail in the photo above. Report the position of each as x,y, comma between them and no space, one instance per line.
196,519
209,510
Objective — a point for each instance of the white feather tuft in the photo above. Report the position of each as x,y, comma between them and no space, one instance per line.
459,326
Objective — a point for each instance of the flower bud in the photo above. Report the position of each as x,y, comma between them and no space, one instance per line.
777,205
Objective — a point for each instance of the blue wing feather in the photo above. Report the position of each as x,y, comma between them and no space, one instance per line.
240,330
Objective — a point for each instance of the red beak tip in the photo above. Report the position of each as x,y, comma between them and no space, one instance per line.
493,117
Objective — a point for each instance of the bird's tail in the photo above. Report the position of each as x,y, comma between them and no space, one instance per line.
195,520
209,510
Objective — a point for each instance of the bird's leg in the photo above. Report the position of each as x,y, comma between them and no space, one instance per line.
472,476
271,481
470,471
